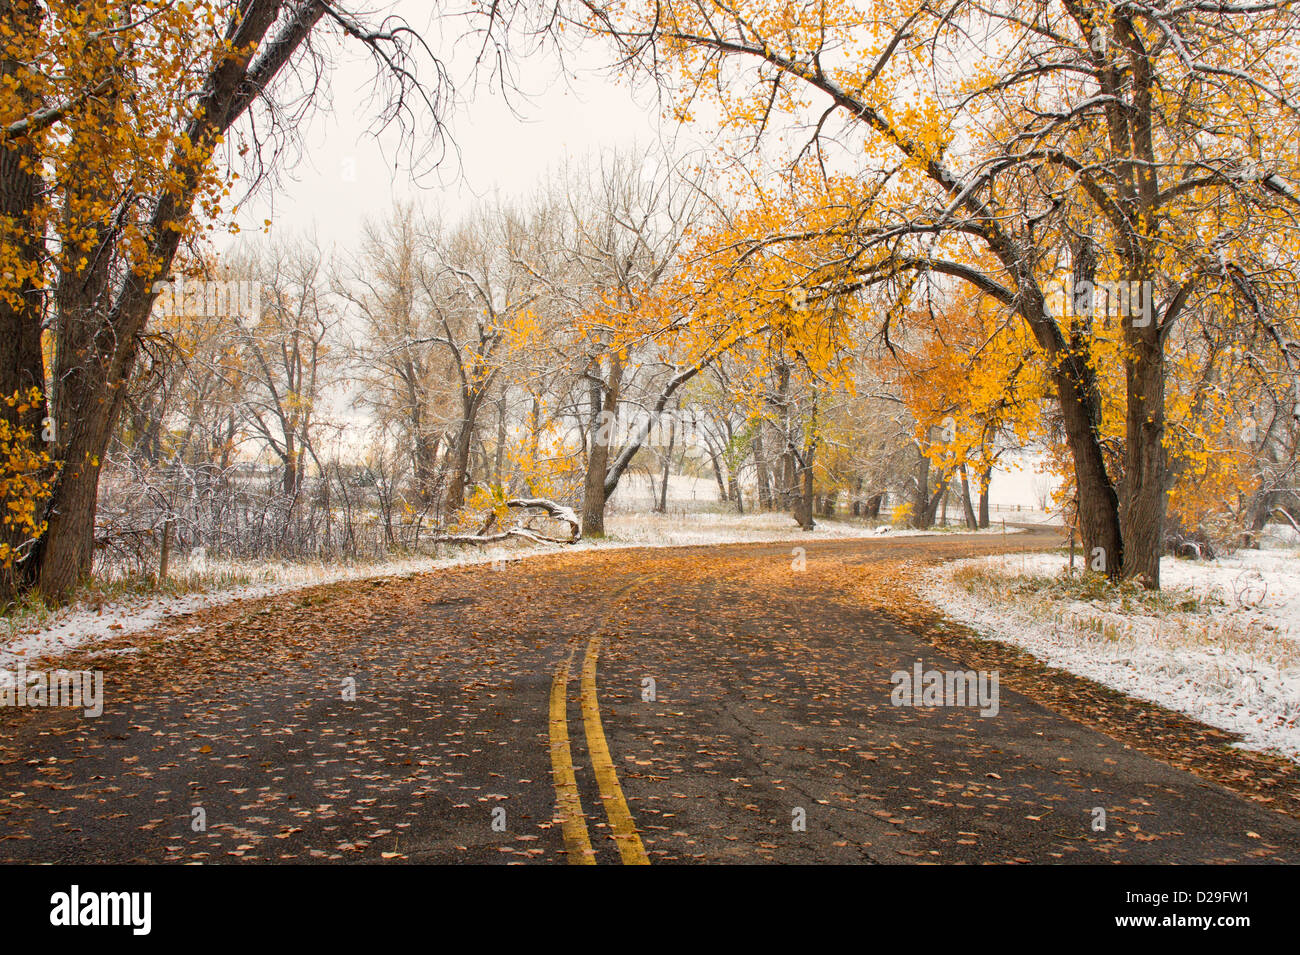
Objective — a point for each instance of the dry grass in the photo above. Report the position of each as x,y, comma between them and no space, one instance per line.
32,611
1096,609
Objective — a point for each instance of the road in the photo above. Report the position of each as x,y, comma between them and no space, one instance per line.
712,704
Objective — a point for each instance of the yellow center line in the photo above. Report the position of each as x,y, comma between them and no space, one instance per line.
577,843
611,793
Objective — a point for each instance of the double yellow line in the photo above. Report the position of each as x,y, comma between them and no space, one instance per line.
577,842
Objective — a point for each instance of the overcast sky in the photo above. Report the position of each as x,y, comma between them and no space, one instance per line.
345,174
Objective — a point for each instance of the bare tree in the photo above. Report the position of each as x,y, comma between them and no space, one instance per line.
289,361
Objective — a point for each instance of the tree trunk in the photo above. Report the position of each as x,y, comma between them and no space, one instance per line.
662,507
424,448
289,482
986,481
165,552
459,467
760,465
619,465
499,456
1145,496
921,499
22,233
1077,394
86,414
426,456
940,497
828,504
802,496
1098,501
803,512
469,402
787,491
971,521
717,472
604,407
593,493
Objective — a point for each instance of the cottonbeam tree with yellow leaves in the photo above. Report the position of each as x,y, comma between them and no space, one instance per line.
120,132
1033,150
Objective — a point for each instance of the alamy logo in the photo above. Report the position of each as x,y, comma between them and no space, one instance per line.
79,689
946,688
1126,300
656,430
234,299
75,907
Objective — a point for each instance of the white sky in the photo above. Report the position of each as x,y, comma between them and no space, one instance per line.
345,174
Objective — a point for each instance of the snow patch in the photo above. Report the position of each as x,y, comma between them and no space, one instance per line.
1234,663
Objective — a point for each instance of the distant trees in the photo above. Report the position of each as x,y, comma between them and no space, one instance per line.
398,365
287,357
483,297
627,222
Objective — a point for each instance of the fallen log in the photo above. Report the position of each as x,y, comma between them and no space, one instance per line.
552,509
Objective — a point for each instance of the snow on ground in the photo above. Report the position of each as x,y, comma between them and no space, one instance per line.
684,529
1225,649
79,626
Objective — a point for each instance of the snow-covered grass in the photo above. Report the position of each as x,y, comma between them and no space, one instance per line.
1220,642
30,632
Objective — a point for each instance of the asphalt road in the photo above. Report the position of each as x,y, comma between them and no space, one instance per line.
687,705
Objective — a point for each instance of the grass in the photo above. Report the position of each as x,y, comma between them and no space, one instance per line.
1092,607
1124,596
32,611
